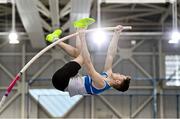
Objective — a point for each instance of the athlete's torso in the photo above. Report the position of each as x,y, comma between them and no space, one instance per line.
84,85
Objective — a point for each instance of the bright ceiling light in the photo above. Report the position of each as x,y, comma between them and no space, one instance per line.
13,38
172,1
175,37
133,42
173,83
99,37
177,83
173,41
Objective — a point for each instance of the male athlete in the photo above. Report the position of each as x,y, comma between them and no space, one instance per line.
66,78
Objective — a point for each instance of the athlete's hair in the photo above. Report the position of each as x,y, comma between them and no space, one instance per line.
124,85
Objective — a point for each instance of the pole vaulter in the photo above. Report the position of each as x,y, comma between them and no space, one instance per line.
17,77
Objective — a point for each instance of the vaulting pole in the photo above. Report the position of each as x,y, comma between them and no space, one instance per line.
17,77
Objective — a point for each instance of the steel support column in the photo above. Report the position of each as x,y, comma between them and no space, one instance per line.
23,84
155,84
92,107
160,75
154,99
130,106
177,106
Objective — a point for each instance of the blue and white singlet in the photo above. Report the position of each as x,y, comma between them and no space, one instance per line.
83,86
93,90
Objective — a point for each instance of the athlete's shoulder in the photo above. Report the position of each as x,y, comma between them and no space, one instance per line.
104,74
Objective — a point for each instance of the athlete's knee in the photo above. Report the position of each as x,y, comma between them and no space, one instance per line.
63,75
79,60
60,80
56,79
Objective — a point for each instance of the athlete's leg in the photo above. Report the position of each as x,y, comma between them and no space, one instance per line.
62,76
79,60
81,24
72,51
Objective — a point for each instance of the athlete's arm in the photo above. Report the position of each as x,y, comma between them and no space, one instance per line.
112,50
96,77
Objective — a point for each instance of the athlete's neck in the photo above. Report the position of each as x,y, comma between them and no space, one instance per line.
109,80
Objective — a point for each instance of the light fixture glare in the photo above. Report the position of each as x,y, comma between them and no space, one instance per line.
175,37
13,38
99,37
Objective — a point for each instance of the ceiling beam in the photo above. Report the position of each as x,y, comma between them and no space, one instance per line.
4,1
133,16
31,21
154,6
129,10
166,14
79,9
66,10
115,6
46,25
54,13
66,26
42,8
135,1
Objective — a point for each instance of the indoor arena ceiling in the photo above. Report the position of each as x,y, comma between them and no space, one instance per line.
38,17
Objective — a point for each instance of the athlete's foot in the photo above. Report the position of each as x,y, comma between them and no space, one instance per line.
53,36
83,23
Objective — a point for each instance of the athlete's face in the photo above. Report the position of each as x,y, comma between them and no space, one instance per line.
118,78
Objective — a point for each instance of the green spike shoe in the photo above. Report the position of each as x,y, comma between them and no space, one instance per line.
83,23
53,36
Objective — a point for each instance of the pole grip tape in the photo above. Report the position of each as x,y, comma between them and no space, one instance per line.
12,84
